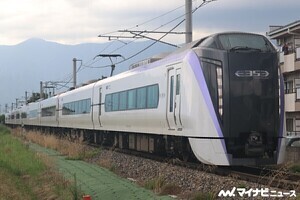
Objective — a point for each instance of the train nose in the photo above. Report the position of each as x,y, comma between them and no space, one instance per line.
254,145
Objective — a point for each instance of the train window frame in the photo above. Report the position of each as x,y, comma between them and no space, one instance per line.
132,98
152,96
115,101
79,107
171,93
141,98
178,84
48,111
123,100
131,105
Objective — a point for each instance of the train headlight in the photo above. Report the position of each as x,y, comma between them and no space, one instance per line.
220,90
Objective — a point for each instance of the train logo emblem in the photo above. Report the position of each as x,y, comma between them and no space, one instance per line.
252,73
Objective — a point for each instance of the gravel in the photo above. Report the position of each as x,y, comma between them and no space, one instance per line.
187,182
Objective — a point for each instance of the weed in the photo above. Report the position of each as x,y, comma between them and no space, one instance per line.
295,168
28,175
155,184
170,189
203,196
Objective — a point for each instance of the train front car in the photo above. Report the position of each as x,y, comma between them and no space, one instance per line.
244,82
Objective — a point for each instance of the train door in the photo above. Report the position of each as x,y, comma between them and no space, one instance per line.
100,106
174,97
57,112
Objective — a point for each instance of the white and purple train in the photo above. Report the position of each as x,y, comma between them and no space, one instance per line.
219,99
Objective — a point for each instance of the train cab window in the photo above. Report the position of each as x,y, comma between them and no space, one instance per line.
236,41
209,42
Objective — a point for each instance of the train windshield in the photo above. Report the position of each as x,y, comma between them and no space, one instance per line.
242,41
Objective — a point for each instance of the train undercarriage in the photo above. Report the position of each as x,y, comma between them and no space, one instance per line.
163,145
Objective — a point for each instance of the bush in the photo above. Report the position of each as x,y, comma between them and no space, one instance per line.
2,119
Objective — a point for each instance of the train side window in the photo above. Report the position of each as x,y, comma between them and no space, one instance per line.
141,98
152,96
132,99
82,107
88,108
108,103
177,84
115,102
171,93
123,100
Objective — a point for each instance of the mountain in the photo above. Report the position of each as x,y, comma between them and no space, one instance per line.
24,65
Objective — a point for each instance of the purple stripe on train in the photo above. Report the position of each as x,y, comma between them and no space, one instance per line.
196,66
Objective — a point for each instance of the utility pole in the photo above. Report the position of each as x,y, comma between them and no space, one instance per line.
41,90
74,72
26,93
188,21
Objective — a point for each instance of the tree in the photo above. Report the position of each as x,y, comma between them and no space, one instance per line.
2,119
36,96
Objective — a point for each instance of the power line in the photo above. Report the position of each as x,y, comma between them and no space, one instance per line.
194,10
89,65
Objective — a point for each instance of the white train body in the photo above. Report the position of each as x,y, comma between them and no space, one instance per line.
170,97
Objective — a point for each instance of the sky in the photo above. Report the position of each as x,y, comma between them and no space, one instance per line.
81,21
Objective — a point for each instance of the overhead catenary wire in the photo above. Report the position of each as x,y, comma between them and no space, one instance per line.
138,25
144,49
92,61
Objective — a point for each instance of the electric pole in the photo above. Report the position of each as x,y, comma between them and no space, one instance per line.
188,21
26,97
74,73
41,90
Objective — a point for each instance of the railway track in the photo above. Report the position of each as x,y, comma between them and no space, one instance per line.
277,178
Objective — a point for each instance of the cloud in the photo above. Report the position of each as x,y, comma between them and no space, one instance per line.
78,21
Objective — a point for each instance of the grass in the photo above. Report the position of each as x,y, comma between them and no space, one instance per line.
74,150
203,196
295,168
27,175
160,186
